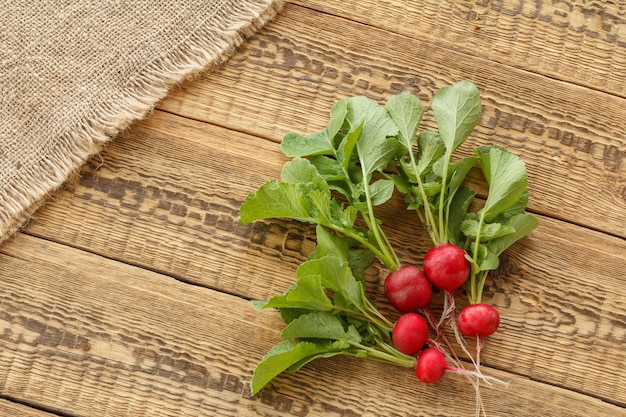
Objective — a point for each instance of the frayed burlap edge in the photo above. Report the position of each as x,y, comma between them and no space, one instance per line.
200,53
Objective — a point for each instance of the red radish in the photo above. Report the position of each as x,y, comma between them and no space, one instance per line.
408,289
446,266
430,366
410,333
478,320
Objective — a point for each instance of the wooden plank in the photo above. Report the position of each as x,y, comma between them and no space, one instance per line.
12,409
96,337
579,42
288,76
165,199
168,198
93,336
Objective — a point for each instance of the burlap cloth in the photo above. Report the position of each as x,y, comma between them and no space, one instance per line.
73,73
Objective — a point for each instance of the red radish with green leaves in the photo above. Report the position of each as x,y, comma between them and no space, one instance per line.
408,289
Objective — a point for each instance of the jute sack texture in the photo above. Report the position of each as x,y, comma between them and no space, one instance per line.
74,73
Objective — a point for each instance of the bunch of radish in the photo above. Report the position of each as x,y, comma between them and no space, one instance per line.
365,155
467,244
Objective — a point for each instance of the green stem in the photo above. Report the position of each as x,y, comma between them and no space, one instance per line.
430,222
390,258
376,251
396,358
376,319
443,232
386,324
393,253
482,278
371,314
387,348
477,281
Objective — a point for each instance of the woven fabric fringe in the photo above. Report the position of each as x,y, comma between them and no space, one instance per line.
73,73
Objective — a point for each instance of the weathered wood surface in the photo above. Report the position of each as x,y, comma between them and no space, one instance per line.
10,408
571,137
582,42
93,336
127,295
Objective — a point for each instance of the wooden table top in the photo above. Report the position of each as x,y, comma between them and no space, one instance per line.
128,295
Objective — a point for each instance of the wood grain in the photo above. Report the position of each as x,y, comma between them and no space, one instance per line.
128,294
289,75
97,337
575,41
13,409
560,296
182,217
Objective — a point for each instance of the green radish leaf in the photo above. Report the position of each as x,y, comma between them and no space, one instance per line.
334,348
400,181
320,143
321,203
346,147
523,224
431,149
353,335
406,110
341,217
276,200
377,145
329,244
440,170
308,293
486,259
328,168
337,118
319,325
506,175
407,171
289,198
457,110
290,314
457,211
454,225
341,248
294,144
290,354
300,171
432,188
336,275
344,304
471,227
515,209
464,164
462,168
340,187
359,260
348,217
415,205
381,191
